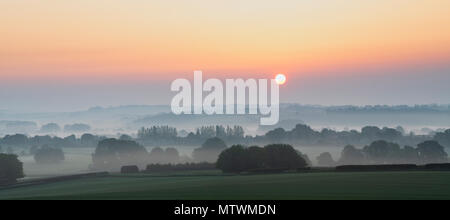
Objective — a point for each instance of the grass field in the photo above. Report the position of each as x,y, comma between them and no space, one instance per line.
329,185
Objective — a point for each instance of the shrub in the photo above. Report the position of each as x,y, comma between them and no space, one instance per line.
10,168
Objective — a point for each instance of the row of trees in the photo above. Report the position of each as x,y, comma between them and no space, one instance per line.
305,135
157,132
179,167
274,157
53,127
165,135
111,154
300,135
42,154
220,132
23,141
389,108
383,152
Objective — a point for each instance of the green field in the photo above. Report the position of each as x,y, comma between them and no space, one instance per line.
327,185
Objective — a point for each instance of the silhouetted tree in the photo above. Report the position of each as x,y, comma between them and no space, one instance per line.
70,141
156,132
443,138
382,152
303,132
389,134
401,130
209,150
325,159
370,132
111,154
233,159
88,140
409,155
17,140
276,135
283,156
305,157
49,155
350,155
431,152
11,168
256,158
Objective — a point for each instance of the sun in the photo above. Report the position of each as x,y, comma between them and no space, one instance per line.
280,79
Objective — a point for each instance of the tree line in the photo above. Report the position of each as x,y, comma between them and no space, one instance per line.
383,152
111,154
301,134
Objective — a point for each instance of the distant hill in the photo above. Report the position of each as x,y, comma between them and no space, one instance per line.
128,118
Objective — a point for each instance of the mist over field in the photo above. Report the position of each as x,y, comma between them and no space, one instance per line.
124,122
224,100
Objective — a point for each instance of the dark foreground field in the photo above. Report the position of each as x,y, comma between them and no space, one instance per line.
329,185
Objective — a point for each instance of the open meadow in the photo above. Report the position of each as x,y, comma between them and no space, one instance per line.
215,186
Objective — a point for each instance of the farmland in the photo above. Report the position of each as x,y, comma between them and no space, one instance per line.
214,185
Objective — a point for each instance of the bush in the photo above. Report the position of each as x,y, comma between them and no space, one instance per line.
10,168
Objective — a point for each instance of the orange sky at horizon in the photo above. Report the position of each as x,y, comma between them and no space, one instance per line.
159,40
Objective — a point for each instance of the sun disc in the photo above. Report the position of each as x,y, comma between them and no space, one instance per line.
280,79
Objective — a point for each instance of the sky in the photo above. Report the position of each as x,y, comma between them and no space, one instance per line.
71,55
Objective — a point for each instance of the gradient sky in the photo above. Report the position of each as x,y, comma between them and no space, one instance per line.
70,55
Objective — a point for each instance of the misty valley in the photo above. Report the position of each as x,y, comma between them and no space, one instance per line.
53,155
141,147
